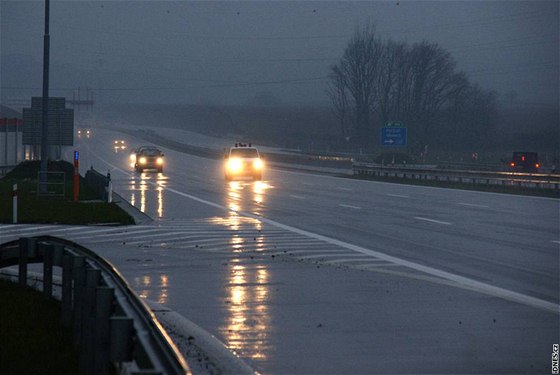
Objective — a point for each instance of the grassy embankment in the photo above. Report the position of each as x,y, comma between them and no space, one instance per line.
32,339
54,209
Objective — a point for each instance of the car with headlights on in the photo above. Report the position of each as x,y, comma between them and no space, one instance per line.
243,160
86,132
147,157
119,145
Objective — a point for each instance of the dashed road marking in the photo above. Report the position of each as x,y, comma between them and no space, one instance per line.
432,220
350,206
473,205
398,196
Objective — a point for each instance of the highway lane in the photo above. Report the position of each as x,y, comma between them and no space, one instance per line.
505,240
498,240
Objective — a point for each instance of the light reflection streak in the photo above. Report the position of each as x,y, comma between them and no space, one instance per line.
248,325
133,192
161,182
162,298
143,185
246,329
144,285
143,188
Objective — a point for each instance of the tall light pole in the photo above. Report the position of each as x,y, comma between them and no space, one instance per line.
44,128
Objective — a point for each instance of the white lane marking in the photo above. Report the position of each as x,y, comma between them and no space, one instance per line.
297,196
462,281
472,205
380,265
398,195
324,255
307,184
432,220
345,189
358,258
26,229
350,206
112,236
294,252
554,241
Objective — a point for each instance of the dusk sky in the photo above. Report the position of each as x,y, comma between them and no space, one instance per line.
227,52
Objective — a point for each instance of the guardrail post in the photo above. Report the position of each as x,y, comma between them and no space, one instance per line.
88,320
26,245
48,258
79,277
67,261
14,203
104,298
120,339
58,252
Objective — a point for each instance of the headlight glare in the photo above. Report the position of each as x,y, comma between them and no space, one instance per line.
234,165
258,164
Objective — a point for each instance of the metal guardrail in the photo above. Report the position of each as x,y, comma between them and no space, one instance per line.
526,180
110,323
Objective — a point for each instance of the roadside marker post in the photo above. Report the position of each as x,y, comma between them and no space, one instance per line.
14,204
76,175
109,188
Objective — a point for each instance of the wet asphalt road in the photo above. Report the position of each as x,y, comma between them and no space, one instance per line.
303,273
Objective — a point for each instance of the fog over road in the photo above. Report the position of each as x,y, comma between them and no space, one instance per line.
304,273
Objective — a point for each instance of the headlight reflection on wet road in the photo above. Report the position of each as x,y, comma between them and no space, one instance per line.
246,329
144,286
142,185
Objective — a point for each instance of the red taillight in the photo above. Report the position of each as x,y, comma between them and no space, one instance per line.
523,158
512,164
537,165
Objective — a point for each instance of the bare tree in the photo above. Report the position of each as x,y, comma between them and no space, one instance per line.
392,81
360,66
338,94
376,82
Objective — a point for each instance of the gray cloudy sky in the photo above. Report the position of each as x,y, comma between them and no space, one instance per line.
226,52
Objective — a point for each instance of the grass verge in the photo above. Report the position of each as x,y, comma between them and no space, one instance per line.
32,340
55,209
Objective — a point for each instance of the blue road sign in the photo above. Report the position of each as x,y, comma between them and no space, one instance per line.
392,136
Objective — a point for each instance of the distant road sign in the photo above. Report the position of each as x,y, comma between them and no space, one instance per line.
60,122
393,136
394,124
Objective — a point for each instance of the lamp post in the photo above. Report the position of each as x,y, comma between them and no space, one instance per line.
44,127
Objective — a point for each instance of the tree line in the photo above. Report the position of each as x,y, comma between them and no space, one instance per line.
379,81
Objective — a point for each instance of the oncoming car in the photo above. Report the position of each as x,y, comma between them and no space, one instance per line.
85,132
119,145
243,161
147,157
